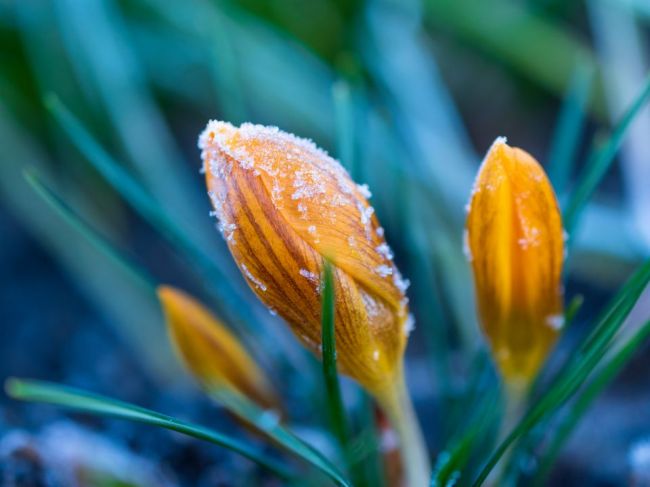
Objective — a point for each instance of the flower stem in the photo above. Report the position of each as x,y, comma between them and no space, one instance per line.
396,403
515,401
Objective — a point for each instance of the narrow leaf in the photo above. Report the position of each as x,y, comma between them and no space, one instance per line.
569,128
152,212
602,379
334,399
93,236
37,391
268,423
599,162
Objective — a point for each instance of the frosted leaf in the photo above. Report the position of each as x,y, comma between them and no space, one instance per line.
555,321
259,284
384,270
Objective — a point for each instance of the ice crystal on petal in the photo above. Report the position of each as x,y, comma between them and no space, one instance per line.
384,270
259,284
384,250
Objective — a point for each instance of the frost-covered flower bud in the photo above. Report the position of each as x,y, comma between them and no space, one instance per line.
514,240
211,353
283,206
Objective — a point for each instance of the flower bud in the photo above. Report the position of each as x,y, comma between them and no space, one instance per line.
211,353
283,206
514,241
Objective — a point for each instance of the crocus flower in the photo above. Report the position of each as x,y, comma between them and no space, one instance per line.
210,352
514,240
283,207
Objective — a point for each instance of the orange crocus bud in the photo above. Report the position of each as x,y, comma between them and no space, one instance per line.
283,206
211,353
515,243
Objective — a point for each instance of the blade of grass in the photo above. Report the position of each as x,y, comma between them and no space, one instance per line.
345,134
268,423
569,128
572,377
602,379
599,162
335,406
45,392
147,207
73,219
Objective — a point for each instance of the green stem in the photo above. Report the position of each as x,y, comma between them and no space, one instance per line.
396,403
515,401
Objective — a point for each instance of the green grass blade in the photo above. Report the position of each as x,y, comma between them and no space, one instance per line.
591,392
147,207
68,215
573,376
345,134
334,399
335,407
37,391
569,128
268,423
599,162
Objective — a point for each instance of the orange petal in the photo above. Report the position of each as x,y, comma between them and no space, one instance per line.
515,243
210,351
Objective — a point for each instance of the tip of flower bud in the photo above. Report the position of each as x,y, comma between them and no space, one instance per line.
210,352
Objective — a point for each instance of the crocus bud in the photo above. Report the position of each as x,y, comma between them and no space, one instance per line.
514,241
283,206
211,353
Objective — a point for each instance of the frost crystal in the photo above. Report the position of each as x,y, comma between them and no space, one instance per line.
364,190
384,250
309,275
466,248
555,321
409,324
402,284
384,270
259,284
375,355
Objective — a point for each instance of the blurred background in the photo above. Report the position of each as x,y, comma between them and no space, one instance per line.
409,95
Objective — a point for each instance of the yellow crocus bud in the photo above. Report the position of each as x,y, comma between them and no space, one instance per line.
283,206
514,241
211,353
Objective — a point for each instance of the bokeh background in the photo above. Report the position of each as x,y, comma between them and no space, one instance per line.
408,94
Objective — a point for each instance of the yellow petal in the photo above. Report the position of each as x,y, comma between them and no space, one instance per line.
283,205
210,351
514,240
